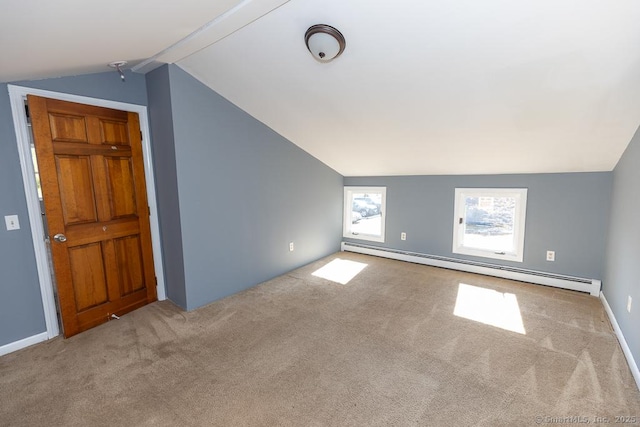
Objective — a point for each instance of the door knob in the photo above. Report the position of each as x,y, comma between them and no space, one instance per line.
60,238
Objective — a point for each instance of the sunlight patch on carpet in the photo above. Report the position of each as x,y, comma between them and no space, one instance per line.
489,307
340,270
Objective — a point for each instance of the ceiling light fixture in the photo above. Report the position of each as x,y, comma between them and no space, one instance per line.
118,66
324,42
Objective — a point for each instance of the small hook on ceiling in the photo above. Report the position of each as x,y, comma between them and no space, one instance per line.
118,66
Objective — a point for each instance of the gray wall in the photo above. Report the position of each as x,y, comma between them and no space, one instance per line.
245,193
164,159
101,85
567,213
622,273
21,312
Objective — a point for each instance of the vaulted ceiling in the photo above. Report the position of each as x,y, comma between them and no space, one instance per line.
423,87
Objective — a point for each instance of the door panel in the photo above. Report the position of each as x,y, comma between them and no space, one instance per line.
114,132
76,189
92,177
121,189
129,258
68,128
87,273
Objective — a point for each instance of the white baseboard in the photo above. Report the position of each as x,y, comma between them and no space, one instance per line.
623,343
18,345
590,286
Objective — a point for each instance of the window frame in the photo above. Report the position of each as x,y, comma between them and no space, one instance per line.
347,209
520,194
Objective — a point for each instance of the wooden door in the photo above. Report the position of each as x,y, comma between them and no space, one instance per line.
93,185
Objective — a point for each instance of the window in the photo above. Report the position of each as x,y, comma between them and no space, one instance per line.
489,222
34,159
364,213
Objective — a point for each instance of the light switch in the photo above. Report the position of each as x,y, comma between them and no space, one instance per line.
12,222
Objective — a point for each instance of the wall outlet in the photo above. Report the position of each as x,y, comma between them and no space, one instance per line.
12,222
629,304
291,247
551,255
403,236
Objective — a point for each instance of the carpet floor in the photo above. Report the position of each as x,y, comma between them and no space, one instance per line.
398,345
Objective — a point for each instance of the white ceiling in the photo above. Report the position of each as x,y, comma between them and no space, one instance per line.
42,39
423,87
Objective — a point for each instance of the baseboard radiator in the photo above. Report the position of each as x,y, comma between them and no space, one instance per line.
548,279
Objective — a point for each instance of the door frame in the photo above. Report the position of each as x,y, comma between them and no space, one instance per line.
17,96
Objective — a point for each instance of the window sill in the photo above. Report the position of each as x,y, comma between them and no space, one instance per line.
488,254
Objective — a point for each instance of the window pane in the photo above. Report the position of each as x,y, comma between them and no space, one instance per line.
34,159
489,223
366,215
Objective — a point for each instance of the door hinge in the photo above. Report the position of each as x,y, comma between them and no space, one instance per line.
141,136
149,210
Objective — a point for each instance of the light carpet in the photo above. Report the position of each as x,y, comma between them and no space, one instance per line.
398,345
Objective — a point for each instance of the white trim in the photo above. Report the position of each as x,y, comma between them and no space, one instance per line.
623,342
20,344
519,194
590,286
17,95
33,206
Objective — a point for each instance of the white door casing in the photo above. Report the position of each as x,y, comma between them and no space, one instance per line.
17,95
